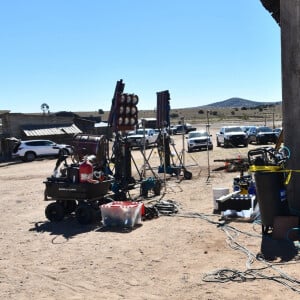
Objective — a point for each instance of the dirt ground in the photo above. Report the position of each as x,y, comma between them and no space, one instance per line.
193,254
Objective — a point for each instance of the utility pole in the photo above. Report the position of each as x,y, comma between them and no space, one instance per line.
287,14
290,56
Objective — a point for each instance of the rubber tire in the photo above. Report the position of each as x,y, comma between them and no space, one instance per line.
54,212
218,143
63,152
69,206
29,156
84,214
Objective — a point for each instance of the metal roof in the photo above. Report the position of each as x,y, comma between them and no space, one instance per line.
273,6
51,130
101,124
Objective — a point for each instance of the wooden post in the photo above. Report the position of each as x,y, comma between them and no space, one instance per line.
290,55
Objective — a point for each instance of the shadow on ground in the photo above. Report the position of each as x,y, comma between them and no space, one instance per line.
69,228
278,249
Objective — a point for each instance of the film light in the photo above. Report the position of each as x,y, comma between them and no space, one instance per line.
127,112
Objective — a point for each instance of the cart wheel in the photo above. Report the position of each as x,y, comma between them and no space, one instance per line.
70,206
54,212
84,214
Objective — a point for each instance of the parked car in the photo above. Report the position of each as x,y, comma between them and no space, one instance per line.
232,136
277,131
140,137
197,140
31,149
245,128
261,135
180,129
147,123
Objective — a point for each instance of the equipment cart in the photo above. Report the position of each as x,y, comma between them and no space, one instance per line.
82,198
69,192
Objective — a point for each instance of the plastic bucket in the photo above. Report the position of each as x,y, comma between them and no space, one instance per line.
269,187
217,193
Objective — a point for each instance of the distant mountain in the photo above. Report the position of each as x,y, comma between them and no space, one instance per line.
238,102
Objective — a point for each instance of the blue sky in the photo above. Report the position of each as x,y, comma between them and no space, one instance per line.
70,53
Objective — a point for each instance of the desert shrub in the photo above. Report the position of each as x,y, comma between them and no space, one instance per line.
174,115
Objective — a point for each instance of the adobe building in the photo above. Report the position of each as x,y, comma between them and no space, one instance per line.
58,127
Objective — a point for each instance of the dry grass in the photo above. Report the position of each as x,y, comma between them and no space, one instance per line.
194,115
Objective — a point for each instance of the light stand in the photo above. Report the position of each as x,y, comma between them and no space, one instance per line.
144,148
183,142
164,158
207,149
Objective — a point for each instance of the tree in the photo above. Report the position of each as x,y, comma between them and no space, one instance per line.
45,108
100,111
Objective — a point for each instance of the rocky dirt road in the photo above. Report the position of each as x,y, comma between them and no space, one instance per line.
168,257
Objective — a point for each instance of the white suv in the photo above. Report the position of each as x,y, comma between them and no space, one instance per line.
232,136
31,149
197,140
140,137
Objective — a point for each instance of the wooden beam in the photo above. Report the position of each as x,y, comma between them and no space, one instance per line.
290,55
273,6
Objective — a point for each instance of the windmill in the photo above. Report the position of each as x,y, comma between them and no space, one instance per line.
45,108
